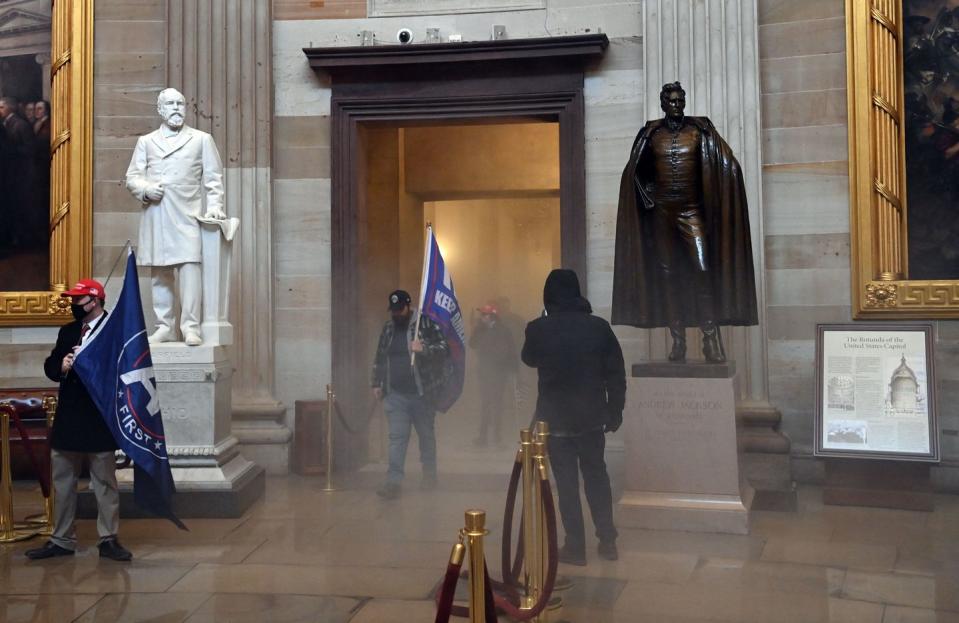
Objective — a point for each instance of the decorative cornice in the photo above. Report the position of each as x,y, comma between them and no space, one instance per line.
580,47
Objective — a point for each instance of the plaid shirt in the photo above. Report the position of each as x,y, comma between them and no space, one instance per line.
432,369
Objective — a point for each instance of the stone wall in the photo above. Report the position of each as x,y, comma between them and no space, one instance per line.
806,201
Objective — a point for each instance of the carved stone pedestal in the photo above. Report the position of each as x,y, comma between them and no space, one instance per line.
682,460
212,478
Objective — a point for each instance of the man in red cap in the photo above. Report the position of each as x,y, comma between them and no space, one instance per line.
496,351
79,433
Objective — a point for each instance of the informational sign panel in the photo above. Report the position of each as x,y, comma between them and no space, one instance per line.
876,392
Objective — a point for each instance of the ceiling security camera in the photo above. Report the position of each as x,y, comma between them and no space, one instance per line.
404,36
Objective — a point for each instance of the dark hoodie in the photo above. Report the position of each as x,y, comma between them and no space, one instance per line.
582,377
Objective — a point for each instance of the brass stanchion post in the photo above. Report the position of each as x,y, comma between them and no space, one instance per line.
50,406
542,544
474,531
330,397
542,459
529,521
8,532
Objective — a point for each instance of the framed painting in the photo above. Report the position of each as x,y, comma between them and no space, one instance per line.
903,93
46,156
875,392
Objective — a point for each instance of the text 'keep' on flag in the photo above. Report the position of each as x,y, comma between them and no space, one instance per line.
438,303
115,366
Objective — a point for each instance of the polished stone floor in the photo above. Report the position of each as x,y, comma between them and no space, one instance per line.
301,555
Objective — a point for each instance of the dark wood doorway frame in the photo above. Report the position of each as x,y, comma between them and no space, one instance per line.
443,83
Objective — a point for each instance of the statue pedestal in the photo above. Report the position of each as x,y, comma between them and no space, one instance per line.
682,460
212,478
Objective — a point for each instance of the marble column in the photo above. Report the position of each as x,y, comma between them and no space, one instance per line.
712,47
220,58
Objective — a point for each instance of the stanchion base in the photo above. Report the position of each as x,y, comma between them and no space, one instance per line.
329,489
16,536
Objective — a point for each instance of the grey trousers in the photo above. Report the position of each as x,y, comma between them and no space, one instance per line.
103,480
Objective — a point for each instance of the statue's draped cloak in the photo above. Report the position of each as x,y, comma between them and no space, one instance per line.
639,293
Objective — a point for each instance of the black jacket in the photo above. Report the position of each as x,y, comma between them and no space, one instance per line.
78,425
582,377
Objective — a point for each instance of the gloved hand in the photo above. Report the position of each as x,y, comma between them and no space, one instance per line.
615,421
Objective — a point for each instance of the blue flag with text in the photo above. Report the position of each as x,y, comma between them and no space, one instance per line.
115,366
438,302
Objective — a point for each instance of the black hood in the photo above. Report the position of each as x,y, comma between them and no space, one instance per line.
562,293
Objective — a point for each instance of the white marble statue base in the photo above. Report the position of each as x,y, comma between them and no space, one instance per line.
682,461
194,384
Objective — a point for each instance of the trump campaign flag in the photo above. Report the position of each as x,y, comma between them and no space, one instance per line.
438,302
115,366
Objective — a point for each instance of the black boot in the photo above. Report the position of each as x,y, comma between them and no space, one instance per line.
713,351
678,353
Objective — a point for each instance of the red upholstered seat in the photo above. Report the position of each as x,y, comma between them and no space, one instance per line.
28,405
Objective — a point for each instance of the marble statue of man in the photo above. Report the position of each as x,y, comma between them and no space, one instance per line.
177,175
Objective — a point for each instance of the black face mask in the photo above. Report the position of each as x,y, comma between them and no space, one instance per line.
78,312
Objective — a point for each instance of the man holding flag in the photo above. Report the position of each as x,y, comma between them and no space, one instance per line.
106,373
79,432
419,367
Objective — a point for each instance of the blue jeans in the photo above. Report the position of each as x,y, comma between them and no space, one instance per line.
404,411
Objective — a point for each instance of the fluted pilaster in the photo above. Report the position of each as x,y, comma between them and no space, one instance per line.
220,58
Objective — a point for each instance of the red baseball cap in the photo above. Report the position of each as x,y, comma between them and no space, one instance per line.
487,309
87,286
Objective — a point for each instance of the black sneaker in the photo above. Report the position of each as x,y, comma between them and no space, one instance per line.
49,550
607,550
389,491
571,557
112,549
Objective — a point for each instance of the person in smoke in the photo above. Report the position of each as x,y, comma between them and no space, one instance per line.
408,388
496,352
582,392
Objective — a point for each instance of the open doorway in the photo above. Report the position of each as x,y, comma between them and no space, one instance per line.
491,189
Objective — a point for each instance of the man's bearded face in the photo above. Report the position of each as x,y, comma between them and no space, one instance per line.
401,315
172,110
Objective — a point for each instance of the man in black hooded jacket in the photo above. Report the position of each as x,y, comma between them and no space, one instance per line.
582,391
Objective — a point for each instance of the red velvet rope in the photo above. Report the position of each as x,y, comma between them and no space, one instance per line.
444,598
43,476
511,573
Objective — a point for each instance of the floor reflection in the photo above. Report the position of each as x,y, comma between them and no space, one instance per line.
301,555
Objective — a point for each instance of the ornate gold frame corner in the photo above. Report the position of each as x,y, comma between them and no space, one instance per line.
877,173
71,175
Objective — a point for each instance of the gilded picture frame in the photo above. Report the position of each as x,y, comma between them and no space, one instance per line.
879,225
71,174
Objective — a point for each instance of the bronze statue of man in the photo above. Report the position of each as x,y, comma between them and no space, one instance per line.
683,252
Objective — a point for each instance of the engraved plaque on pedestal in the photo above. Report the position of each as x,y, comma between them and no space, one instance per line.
682,460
